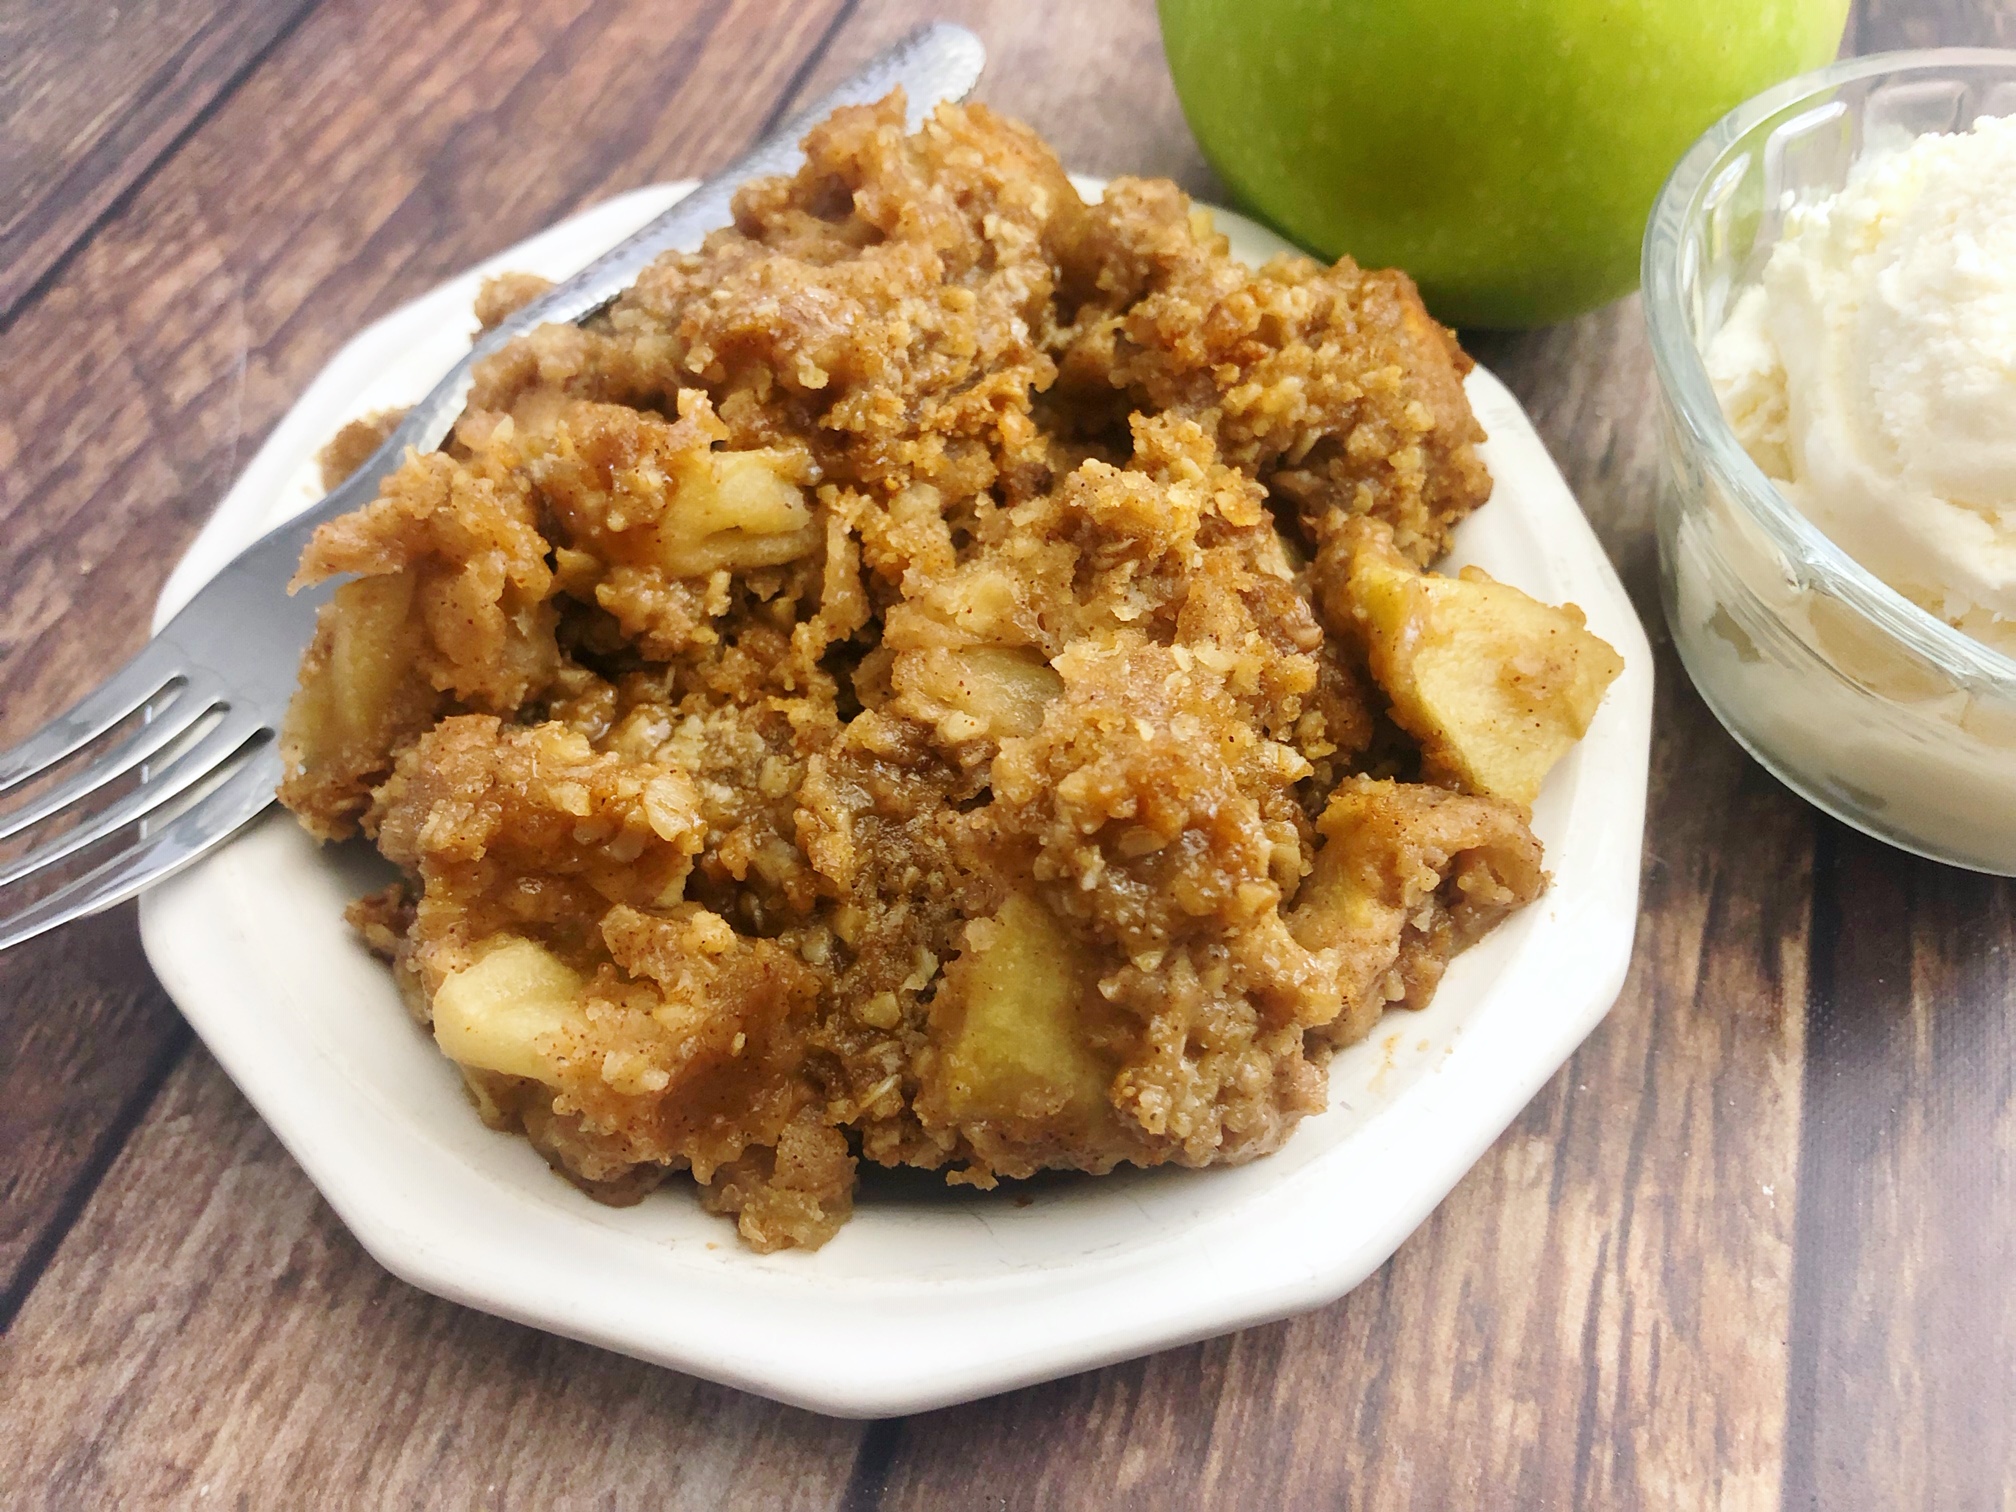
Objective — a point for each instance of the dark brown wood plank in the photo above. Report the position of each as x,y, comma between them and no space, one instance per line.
212,1335
85,1032
92,96
1903,1386
90,100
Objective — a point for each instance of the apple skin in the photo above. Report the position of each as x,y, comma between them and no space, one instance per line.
1504,152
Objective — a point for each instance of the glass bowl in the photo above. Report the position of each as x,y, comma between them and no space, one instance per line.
1853,696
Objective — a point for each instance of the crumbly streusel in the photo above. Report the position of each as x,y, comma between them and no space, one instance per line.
889,689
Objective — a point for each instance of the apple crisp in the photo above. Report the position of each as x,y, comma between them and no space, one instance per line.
945,675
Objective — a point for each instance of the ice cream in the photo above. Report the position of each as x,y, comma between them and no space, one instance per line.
1872,371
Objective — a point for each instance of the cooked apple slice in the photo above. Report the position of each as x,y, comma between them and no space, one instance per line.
360,699
510,1010
735,510
976,692
1007,1023
1495,685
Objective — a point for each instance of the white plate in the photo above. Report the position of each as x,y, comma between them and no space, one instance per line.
925,1298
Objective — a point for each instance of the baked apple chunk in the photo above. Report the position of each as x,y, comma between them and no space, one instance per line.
1496,685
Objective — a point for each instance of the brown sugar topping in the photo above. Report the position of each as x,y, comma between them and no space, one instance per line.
894,687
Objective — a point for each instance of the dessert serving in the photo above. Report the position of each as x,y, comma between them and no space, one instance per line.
1869,372
945,675
1829,280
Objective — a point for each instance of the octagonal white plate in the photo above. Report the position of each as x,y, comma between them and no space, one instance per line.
928,1296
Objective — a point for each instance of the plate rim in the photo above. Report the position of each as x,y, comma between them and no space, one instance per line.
1122,1313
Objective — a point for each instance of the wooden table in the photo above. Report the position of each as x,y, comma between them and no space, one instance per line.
1748,1249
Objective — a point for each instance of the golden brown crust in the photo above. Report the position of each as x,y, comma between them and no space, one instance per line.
351,447
1333,386
503,295
858,698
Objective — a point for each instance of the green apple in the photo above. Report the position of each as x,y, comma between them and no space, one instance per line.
1504,152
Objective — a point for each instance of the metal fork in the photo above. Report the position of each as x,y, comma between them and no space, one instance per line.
179,748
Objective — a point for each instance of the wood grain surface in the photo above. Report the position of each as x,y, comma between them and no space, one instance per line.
1750,1249
91,98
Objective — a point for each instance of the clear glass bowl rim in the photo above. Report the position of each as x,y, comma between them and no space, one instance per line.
1820,564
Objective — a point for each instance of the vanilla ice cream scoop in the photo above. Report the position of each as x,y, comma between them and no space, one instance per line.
1872,372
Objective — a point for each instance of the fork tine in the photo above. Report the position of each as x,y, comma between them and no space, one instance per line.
184,838
184,772
168,725
129,688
